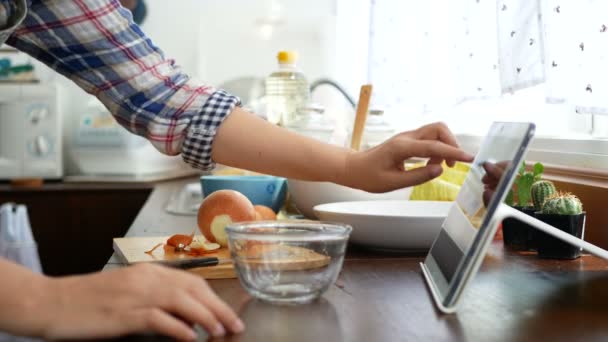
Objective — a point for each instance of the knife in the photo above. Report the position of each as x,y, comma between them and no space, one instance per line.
185,264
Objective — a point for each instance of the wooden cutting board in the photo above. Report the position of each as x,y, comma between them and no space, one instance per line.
270,256
132,250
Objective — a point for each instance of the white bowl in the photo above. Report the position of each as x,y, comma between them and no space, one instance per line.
306,195
393,225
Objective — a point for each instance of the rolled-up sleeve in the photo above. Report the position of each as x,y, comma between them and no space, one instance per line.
96,44
196,149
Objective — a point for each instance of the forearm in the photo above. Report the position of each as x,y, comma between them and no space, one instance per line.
247,141
21,295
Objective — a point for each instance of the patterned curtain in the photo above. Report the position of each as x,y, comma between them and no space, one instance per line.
576,53
428,54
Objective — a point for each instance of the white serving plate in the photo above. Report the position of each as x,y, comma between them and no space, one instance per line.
306,195
389,224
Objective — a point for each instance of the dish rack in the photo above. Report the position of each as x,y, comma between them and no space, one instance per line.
186,200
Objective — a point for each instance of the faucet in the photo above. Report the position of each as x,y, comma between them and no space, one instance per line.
327,81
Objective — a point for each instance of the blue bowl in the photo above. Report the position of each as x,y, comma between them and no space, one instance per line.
264,190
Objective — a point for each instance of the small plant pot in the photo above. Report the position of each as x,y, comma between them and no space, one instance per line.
518,235
552,248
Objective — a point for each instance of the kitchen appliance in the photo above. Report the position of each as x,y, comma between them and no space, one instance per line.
98,149
30,132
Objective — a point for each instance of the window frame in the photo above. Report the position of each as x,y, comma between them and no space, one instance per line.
576,154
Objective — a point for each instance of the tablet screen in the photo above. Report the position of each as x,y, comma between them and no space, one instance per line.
468,224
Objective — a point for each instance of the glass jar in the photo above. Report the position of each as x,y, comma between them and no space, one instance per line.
376,130
311,122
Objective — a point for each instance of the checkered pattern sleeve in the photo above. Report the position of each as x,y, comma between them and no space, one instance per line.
196,150
96,44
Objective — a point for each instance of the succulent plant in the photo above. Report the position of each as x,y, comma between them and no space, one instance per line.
562,204
522,184
540,191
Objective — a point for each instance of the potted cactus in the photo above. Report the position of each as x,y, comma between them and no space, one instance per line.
517,234
540,191
563,211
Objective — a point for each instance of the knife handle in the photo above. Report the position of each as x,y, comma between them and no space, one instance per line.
192,263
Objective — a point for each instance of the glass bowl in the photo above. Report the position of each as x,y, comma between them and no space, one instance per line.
288,262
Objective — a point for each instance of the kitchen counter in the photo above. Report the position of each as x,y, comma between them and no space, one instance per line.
383,297
154,220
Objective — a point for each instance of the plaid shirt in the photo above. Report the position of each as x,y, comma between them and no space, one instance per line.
96,44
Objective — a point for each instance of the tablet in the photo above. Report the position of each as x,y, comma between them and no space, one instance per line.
471,224
467,231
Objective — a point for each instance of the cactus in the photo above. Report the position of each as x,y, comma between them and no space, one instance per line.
540,191
522,184
562,204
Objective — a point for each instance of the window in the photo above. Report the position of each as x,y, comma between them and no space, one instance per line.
471,62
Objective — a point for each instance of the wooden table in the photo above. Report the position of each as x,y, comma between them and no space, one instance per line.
380,297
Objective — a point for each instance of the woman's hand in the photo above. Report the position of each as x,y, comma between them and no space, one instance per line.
490,179
134,299
381,169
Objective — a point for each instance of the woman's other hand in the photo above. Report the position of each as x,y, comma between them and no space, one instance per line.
381,168
142,298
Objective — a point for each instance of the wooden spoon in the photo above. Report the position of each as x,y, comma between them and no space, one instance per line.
361,116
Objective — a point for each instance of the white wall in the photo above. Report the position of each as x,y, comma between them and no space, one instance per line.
221,40
173,26
352,43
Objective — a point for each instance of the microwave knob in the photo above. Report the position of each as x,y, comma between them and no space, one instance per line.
38,114
42,146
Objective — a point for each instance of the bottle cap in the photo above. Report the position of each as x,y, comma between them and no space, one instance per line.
287,57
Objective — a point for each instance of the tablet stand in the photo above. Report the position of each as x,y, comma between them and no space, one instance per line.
505,211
